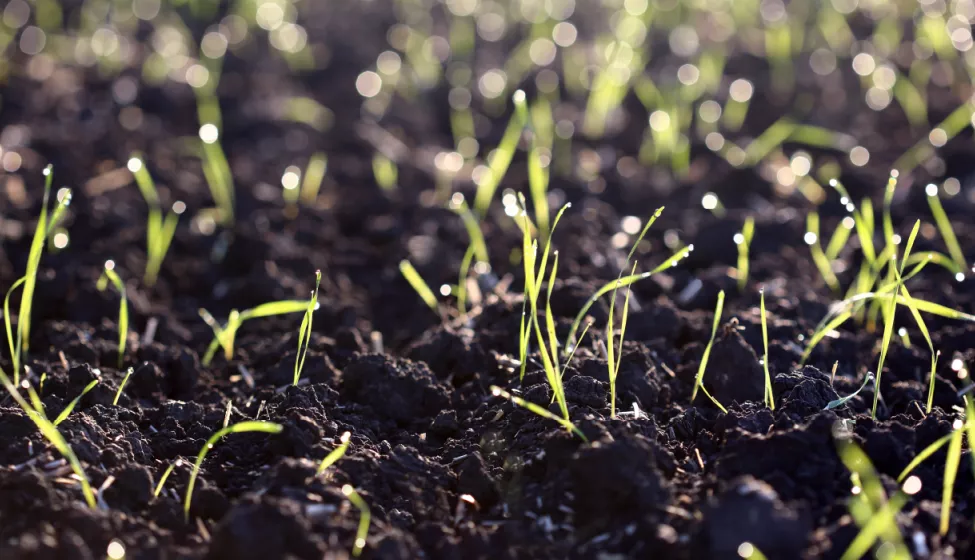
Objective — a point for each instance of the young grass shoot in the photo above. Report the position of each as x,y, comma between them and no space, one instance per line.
110,276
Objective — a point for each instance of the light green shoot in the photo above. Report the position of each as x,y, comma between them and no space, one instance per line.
870,502
335,454
699,379
71,405
944,227
477,249
30,277
165,477
820,259
924,454
843,400
50,432
365,518
769,397
304,333
314,176
13,344
501,157
541,125
121,386
159,230
248,426
216,171
224,335
614,357
952,462
958,120
543,412
418,283
385,172
744,241
109,275
885,341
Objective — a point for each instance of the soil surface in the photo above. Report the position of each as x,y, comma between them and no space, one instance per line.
448,470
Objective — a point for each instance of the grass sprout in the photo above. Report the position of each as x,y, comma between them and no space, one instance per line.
365,518
699,378
385,172
769,397
944,227
159,229
843,400
304,332
50,432
744,241
820,259
614,357
12,343
216,171
165,477
418,283
869,506
239,428
952,461
224,335
74,402
22,344
476,250
121,386
314,176
110,276
543,412
501,158
335,454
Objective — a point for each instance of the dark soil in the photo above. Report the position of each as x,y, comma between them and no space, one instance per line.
448,470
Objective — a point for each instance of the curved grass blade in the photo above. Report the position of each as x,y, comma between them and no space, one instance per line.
13,344
769,398
335,454
699,378
419,285
923,455
951,473
304,332
544,413
109,275
121,386
842,401
502,157
242,427
165,477
71,405
365,518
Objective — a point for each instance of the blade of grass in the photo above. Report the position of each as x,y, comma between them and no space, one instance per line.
109,275
699,378
121,386
418,284
544,413
365,518
501,159
304,332
74,402
843,400
769,397
335,454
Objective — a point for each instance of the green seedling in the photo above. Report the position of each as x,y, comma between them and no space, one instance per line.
20,348
304,332
869,506
699,378
769,397
216,171
224,335
121,386
159,230
820,258
242,427
952,462
365,517
419,285
311,183
109,275
614,356
744,240
476,250
501,157
385,172
543,412
71,405
947,232
35,411
954,123
843,400
335,454
165,477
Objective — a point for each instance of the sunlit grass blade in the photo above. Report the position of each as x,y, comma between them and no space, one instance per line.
314,176
242,427
74,402
549,316
224,335
109,275
30,282
840,236
699,378
12,343
923,455
769,397
304,332
51,434
335,454
843,400
121,386
768,140
678,256
944,227
544,413
884,520
744,241
165,477
952,462
501,158
365,518
885,342
418,283
820,259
